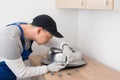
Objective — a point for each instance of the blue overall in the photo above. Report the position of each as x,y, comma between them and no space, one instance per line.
5,72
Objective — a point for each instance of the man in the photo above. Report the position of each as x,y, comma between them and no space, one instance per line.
15,47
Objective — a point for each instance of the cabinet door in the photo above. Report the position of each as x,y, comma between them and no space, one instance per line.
81,4
99,4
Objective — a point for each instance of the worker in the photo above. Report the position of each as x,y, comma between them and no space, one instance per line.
16,40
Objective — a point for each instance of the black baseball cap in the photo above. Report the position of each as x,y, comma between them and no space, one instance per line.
47,23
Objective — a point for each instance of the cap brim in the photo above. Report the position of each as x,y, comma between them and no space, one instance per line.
57,34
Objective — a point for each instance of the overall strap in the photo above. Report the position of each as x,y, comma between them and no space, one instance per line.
21,30
25,54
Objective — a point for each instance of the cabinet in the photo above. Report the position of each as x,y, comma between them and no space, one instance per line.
85,4
71,4
99,4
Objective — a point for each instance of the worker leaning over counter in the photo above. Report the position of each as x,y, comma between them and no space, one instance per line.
15,47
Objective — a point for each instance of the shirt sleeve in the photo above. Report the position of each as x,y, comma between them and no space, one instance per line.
10,49
21,71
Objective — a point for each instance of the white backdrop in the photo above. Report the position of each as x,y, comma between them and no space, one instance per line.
99,36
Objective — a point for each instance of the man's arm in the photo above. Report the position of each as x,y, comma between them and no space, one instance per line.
20,70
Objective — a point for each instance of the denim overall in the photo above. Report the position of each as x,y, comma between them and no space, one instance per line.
5,72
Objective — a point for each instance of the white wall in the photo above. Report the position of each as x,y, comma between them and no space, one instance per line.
99,36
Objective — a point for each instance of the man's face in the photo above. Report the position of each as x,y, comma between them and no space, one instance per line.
43,37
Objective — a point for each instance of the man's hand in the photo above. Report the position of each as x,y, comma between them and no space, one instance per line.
71,56
68,52
55,67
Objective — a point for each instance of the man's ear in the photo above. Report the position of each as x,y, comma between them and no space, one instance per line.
39,29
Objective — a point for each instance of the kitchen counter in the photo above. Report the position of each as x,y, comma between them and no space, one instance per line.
94,70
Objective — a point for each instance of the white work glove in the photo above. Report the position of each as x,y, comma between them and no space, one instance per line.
78,55
71,56
68,52
55,67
